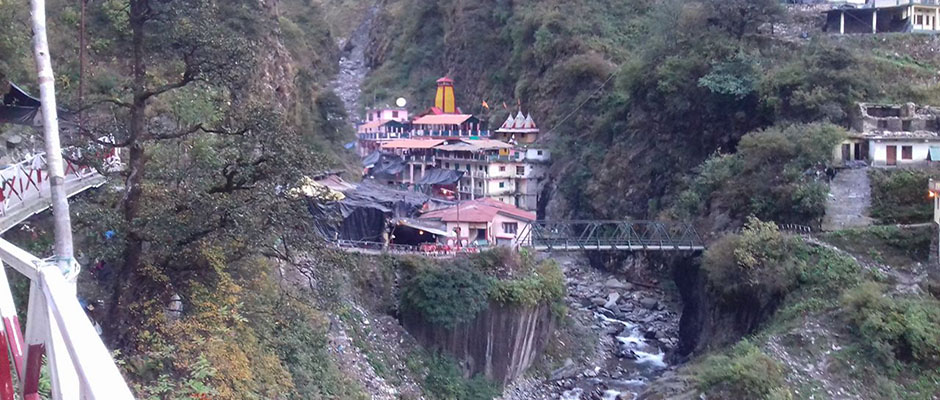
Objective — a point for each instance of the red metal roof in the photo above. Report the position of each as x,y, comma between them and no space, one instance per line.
445,80
443,119
479,211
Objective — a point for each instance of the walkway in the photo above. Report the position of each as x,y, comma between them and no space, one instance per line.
849,201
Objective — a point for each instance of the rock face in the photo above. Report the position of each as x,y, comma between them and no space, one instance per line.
500,343
707,321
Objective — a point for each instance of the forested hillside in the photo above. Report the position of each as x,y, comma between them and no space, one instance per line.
201,99
707,111
636,94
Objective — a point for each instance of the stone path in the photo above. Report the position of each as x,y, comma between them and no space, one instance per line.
849,200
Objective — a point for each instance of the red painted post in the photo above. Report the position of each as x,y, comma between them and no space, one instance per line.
6,375
14,338
33,370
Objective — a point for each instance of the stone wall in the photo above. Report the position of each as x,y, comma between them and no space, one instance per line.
500,343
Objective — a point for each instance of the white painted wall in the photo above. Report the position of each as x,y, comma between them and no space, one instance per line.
878,153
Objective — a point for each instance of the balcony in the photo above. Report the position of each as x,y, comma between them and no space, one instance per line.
421,159
450,133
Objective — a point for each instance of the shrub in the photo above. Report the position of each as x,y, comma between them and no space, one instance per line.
745,373
766,176
752,265
900,196
446,295
444,380
896,330
545,285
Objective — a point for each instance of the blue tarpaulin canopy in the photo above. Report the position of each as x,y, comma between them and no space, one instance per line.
934,154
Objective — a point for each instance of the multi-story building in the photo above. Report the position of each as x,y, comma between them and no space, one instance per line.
446,149
381,126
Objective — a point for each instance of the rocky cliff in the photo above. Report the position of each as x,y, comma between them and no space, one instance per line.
500,343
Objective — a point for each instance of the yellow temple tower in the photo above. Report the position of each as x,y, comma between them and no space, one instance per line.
444,100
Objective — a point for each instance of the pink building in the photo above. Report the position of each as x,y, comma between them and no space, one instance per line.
485,221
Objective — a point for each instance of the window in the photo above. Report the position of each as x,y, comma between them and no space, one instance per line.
481,168
394,114
510,227
447,165
479,184
907,153
468,167
520,170
920,20
540,152
370,117
502,169
502,185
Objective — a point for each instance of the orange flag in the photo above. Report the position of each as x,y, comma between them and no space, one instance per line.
485,105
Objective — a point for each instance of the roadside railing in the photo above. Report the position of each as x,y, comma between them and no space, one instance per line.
24,181
81,366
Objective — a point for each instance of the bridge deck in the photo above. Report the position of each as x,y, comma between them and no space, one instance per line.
35,202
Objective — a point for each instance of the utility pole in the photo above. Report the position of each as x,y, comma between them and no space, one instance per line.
50,127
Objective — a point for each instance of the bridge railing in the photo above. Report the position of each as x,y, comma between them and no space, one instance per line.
26,180
56,326
612,235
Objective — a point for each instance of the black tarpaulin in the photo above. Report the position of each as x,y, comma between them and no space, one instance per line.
388,167
367,210
18,107
440,176
371,159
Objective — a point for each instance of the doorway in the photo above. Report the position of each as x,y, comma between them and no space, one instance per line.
892,155
846,152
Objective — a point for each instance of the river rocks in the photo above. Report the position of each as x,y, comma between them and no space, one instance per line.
612,300
650,303
635,327
613,283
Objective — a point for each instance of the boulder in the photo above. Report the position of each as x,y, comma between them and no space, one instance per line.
613,283
612,300
599,301
649,302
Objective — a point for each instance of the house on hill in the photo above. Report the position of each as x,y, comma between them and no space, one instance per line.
878,16
891,135
484,222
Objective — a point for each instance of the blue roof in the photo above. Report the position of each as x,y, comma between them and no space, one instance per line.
934,154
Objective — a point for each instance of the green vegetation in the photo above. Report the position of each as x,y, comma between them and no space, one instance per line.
444,380
895,330
888,244
766,177
744,373
900,196
448,294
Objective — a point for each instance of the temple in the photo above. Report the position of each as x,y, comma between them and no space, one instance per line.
448,154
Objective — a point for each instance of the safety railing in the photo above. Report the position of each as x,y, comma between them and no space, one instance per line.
25,181
56,326
610,235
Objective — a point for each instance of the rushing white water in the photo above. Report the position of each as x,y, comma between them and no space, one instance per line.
610,395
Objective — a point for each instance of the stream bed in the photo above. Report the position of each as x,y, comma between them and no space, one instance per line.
634,327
